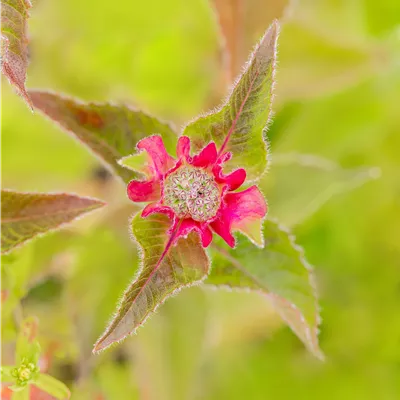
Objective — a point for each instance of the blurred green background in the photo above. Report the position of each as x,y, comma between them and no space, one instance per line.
337,121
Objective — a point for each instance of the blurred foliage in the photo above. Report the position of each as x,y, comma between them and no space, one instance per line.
337,97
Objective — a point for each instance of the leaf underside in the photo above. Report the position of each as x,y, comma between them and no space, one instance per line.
110,131
280,272
26,215
184,265
238,126
14,43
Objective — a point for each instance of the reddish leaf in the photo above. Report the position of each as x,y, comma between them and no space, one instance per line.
110,131
26,215
160,275
280,272
14,43
238,125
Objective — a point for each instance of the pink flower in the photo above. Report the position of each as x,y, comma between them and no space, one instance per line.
194,193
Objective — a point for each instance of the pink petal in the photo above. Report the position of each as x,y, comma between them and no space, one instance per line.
154,146
233,180
222,228
207,156
153,208
139,191
183,148
189,225
240,211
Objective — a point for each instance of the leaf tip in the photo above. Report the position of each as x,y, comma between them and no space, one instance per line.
267,46
103,343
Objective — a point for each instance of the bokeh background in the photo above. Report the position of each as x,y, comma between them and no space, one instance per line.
334,179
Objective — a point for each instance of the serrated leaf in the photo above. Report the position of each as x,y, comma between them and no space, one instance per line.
280,272
26,215
185,264
238,125
52,386
14,43
111,132
298,185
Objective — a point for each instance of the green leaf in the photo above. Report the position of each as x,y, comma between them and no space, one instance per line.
298,185
111,132
185,263
52,386
14,43
26,215
279,271
136,162
239,124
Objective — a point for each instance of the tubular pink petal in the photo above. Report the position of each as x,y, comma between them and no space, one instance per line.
206,157
183,148
206,236
188,225
154,146
222,228
241,211
153,208
223,158
233,180
247,204
139,191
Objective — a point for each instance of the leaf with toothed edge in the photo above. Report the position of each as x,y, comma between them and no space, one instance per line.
164,271
239,124
110,131
26,215
14,43
279,271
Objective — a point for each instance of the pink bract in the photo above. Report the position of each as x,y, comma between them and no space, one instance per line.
194,193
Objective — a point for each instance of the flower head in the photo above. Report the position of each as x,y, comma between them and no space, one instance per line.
195,194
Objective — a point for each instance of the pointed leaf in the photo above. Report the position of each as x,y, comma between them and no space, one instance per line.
52,386
110,131
184,265
26,215
298,185
14,43
137,162
239,124
279,271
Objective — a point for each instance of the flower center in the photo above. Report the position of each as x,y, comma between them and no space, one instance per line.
192,192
